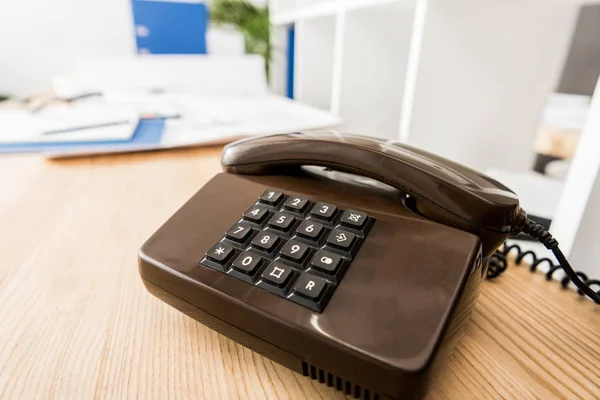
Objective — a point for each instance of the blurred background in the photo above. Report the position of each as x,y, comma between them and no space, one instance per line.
506,87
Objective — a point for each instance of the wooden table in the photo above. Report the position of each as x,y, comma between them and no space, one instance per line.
76,321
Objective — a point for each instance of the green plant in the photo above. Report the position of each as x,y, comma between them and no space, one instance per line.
252,21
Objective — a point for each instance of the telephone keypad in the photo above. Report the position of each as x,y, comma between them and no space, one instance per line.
292,247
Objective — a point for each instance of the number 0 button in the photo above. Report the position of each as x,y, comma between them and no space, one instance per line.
265,241
247,262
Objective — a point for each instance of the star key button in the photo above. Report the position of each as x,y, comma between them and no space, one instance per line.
341,239
220,253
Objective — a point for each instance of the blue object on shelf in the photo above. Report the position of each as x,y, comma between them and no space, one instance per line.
167,27
148,132
290,62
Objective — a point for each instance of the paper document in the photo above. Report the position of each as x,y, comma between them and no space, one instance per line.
75,123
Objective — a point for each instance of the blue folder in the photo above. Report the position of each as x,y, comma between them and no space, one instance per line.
148,131
167,27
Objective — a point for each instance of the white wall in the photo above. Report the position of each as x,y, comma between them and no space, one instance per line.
40,38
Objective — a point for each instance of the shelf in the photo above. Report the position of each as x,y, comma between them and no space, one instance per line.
314,49
290,11
373,68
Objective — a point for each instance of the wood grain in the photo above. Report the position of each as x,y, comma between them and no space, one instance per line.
76,321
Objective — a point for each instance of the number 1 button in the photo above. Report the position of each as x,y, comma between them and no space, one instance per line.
270,197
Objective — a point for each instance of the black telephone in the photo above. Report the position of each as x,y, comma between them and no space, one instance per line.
348,259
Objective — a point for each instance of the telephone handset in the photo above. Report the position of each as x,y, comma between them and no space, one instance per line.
339,281
443,190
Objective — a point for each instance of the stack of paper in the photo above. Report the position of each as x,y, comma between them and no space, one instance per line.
201,100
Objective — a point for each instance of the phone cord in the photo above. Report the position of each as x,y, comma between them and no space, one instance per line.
498,262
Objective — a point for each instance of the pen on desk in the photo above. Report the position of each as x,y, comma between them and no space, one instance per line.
86,127
107,124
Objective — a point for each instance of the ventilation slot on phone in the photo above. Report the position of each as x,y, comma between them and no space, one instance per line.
340,384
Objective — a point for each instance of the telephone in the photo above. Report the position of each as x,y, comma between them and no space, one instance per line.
348,259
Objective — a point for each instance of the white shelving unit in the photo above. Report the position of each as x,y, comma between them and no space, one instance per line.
448,76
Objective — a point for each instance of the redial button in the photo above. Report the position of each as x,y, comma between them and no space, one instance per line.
310,286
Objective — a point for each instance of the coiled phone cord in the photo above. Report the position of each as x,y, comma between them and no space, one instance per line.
498,262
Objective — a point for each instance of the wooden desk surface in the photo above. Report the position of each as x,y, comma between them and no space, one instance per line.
76,321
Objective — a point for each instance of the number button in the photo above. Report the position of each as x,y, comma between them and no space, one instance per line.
326,261
277,274
270,197
341,239
324,211
354,219
256,213
310,286
239,232
294,251
265,241
310,229
220,253
281,221
247,262
296,203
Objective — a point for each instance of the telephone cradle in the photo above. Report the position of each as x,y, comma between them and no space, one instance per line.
348,259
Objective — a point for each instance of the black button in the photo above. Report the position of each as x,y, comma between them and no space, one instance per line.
247,262
310,229
281,221
341,239
310,286
220,252
270,197
353,218
324,210
296,203
265,241
239,232
326,261
294,250
277,274
256,213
